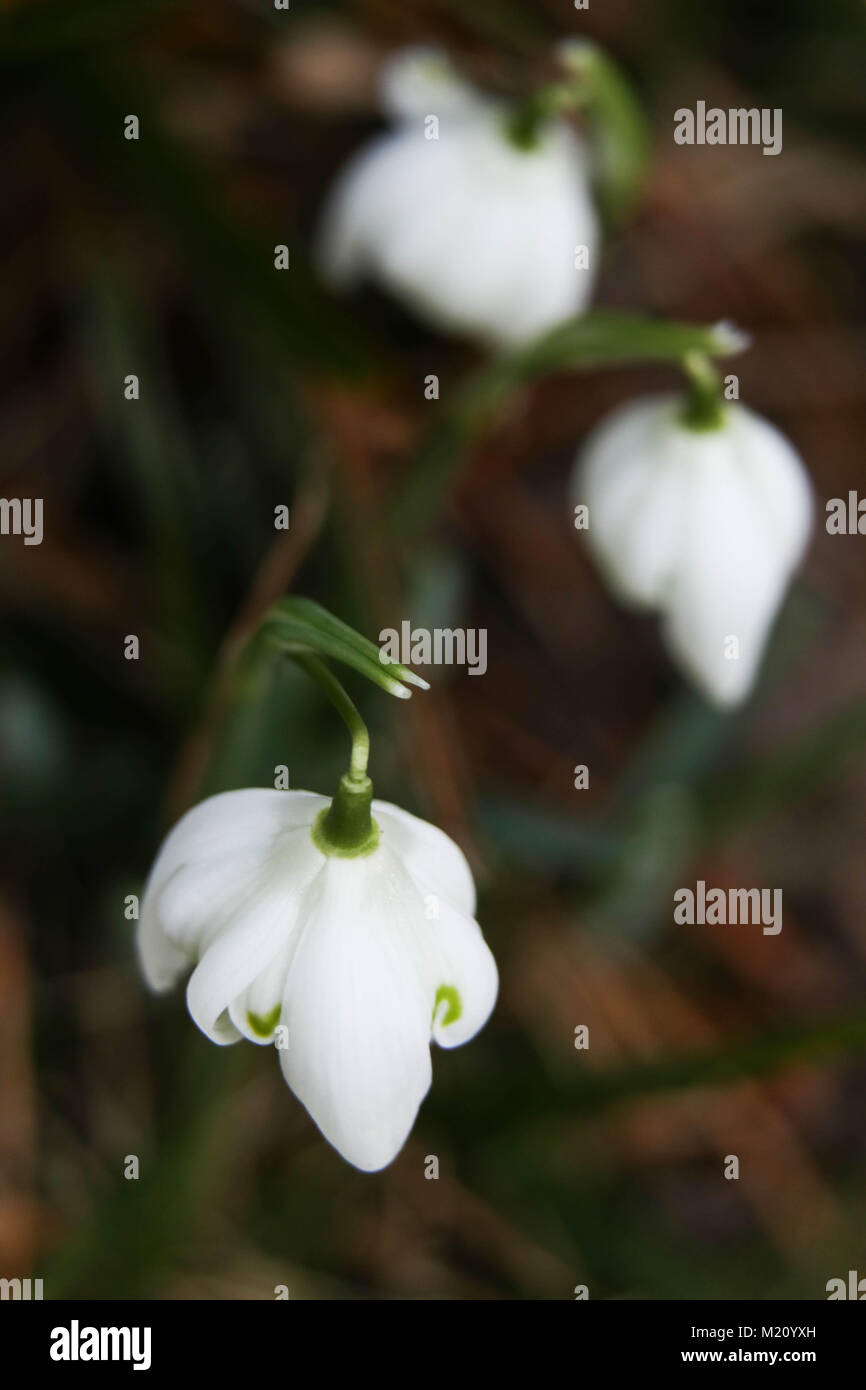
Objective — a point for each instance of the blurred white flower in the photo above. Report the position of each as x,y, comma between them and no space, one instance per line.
359,960
703,525
477,233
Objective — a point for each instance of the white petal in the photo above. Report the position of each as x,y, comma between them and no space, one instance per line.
728,587
465,978
256,1010
552,214
249,955
735,558
431,857
357,1008
207,864
631,480
780,482
162,963
231,963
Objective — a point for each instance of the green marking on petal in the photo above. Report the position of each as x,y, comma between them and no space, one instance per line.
452,999
264,1024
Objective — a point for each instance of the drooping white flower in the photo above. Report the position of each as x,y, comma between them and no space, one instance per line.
359,960
476,233
703,525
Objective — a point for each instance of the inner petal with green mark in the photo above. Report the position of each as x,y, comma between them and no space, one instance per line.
452,998
264,1024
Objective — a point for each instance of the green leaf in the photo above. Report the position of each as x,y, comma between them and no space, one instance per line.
300,627
604,338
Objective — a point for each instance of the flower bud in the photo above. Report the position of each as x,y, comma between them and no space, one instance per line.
478,232
703,525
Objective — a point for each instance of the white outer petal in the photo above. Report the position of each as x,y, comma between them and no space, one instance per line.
461,960
208,862
246,963
358,1009
431,857
780,478
456,954
748,521
627,472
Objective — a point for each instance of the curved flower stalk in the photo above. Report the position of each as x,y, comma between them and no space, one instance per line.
701,513
341,929
477,228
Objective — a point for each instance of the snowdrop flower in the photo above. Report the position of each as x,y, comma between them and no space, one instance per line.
476,230
704,524
349,957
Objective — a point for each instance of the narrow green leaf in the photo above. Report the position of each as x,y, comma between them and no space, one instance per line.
299,626
605,338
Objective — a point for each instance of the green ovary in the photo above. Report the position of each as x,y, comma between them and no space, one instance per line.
264,1024
452,999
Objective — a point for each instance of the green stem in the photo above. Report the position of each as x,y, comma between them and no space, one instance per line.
524,123
347,711
704,405
346,827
